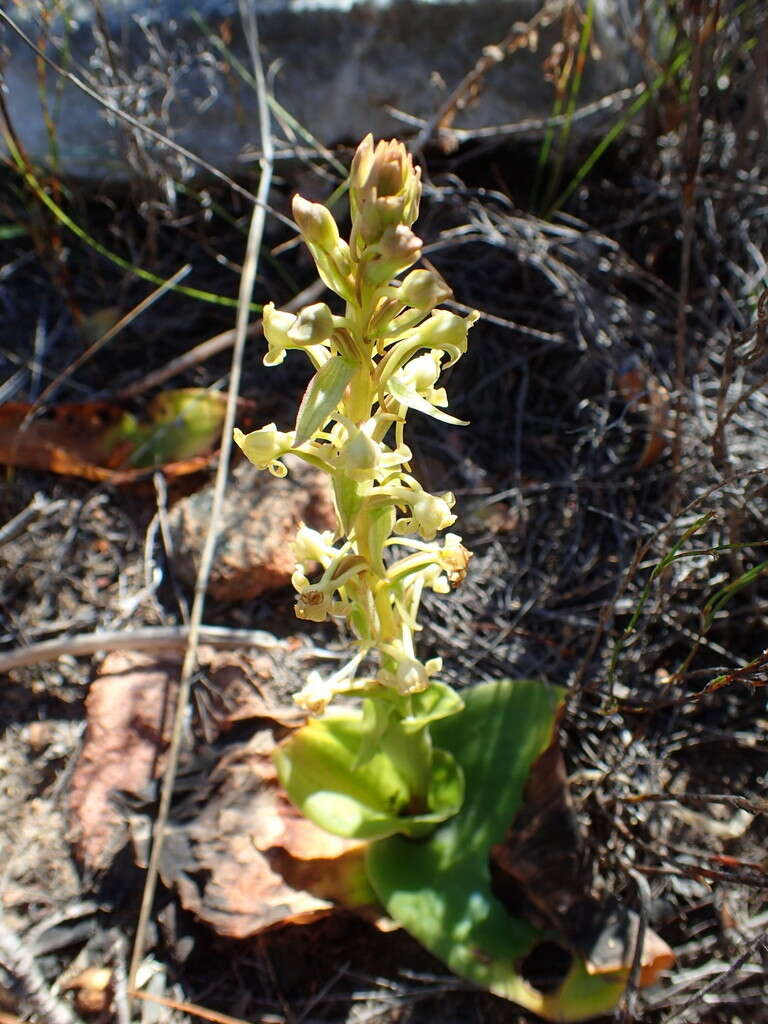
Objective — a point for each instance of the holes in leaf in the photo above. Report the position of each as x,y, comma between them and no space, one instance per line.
546,966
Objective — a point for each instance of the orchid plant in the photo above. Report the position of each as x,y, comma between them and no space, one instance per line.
408,759
381,358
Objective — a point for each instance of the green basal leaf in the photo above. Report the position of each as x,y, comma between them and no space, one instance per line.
323,395
436,702
182,423
316,767
376,718
440,888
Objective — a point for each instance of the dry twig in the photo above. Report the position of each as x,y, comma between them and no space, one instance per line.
247,280
150,638
20,964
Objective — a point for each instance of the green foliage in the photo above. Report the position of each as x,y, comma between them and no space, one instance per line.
439,889
320,768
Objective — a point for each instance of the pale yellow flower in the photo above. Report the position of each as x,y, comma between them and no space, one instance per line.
265,447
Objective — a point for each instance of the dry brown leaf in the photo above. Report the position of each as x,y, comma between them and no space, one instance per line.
238,852
248,861
129,711
101,441
539,872
640,388
68,439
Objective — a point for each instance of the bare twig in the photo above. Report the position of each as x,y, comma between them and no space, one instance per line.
529,128
520,36
118,955
211,347
151,638
630,993
719,980
20,964
191,1008
247,280
690,169
37,507
754,805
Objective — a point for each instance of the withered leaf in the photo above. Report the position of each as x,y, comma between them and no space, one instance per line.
248,861
539,872
101,441
239,854
642,391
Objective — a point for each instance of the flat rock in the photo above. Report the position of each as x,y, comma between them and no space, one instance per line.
339,67
259,520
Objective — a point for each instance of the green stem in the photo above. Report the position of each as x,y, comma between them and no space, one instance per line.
412,753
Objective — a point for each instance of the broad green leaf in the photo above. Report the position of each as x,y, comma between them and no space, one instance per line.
322,396
376,718
317,768
182,424
439,889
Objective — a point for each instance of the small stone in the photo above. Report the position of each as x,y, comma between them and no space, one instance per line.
345,68
259,519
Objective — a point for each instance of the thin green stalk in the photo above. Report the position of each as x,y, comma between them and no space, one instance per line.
613,133
63,218
575,89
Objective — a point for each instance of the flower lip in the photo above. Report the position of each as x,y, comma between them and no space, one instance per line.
265,447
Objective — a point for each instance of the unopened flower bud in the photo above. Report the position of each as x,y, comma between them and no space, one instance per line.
316,223
313,325
423,289
384,189
360,455
399,244
360,169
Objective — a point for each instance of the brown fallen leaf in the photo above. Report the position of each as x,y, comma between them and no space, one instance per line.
640,388
246,860
129,710
539,872
239,854
102,441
